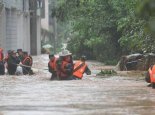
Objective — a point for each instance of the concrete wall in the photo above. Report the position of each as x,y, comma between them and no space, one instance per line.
11,29
26,37
35,28
39,35
2,28
45,21
15,25
23,30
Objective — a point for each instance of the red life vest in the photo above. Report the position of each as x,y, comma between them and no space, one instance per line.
1,56
27,58
79,72
53,64
152,74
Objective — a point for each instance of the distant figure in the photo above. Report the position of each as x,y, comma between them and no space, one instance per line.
80,67
2,67
12,63
27,64
52,66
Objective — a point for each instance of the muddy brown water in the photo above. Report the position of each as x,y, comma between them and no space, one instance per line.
94,95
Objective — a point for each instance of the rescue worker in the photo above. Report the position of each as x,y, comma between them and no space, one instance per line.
7,57
20,54
2,67
12,63
80,67
52,66
149,78
66,67
27,64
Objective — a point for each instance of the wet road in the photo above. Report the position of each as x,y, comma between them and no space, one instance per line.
94,95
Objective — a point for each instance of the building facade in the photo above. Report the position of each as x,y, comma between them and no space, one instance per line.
15,26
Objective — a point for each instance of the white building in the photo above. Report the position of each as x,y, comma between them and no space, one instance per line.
45,33
15,25
20,25
45,20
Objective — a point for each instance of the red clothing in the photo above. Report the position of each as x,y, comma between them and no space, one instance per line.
65,70
53,64
27,61
63,73
1,56
152,74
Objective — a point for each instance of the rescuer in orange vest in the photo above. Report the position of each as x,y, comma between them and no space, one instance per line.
52,66
80,67
2,67
27,63
65,68
150,76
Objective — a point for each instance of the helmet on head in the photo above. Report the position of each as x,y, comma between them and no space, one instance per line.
83,58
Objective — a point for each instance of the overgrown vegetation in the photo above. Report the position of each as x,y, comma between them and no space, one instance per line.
107,73
106,29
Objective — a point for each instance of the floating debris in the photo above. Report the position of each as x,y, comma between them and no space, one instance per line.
107,72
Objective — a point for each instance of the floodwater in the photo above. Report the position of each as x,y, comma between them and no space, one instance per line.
94,95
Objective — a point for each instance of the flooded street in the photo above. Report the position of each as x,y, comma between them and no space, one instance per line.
94,95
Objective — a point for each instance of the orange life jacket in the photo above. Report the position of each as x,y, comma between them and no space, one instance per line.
152,74
27,58
53,64
1,56
79,72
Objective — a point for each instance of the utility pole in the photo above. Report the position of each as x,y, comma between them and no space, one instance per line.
33,26
54,28
55,33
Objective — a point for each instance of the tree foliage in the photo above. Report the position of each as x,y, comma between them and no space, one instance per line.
105,29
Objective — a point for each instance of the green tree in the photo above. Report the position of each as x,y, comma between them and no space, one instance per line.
105,29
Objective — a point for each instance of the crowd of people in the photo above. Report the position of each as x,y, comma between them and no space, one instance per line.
63,68
13,59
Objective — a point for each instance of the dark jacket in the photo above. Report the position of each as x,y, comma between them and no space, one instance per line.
12,64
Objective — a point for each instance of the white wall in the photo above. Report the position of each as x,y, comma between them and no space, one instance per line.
45,21
11,29
17,30
26,37
15,26
38,35
2,29
23,32
20,32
